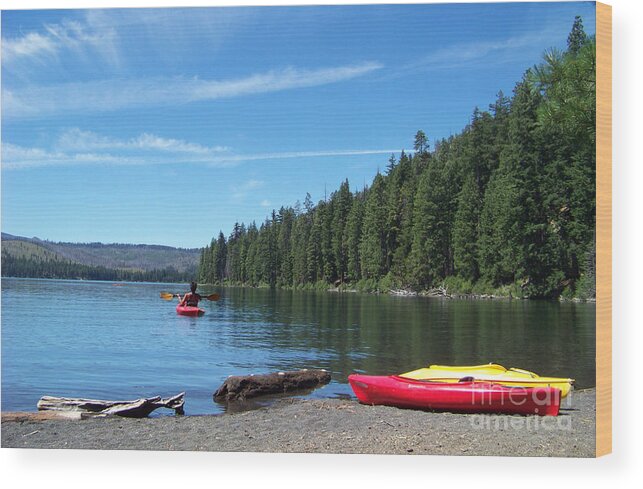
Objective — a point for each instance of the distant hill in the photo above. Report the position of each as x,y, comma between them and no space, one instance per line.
33,257
21,248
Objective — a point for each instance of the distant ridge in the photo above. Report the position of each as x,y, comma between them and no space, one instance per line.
122,256
36,239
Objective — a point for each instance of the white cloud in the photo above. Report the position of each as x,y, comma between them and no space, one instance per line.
476,50
278,80
242,190
110,95
19,157
253,184
487,52
60,38
265,203
306,154
79,140
78,147
151,142
33,44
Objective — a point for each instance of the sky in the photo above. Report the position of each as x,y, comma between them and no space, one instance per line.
164,126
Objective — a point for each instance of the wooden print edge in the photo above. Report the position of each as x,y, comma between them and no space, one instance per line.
603,229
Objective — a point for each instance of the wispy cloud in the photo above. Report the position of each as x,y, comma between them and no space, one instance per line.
469,51
77,147
78,140
110,95
19,157
30,45
305,154
56,39
86,148
242,190
486,52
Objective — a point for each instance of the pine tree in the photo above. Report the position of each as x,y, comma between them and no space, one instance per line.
577,37
465,231
220,258
431,258
394,201
314,264
373,243
342,201
326,211
352,237
567,119
284,246
391,164
404,216
498,242
421,144
252,271
300,233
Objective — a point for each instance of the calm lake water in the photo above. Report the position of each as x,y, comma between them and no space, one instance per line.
98,340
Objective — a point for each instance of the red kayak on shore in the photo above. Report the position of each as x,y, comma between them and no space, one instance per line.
461,397
189,311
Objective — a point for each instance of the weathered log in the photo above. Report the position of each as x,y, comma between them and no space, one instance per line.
240,387
90,408
438,292
403,292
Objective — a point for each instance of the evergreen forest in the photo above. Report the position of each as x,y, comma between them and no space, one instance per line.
507,206
34,258
33,267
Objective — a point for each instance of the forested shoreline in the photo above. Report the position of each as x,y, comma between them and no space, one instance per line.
24,267
34,258
507,206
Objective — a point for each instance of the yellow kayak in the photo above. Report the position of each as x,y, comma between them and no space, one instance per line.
490,373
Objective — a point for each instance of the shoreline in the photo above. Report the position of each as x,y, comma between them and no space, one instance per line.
438,293
323,426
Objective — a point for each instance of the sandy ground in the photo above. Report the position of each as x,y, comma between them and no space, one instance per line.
323,426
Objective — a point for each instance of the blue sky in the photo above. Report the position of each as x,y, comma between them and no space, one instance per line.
165,125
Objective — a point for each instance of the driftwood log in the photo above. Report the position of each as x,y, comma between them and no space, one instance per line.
91,408
241,387
438,292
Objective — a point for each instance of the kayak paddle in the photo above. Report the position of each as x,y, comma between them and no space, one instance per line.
168,296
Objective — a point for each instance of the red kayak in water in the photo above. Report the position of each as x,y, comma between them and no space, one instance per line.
462,397
189,311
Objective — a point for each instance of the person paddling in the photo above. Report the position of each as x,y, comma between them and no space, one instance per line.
191,298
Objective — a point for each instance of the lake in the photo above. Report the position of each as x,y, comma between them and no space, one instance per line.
121,341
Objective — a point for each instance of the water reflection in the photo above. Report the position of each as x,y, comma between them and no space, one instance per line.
382,334
124,342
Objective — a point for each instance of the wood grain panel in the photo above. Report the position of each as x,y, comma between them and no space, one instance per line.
603,229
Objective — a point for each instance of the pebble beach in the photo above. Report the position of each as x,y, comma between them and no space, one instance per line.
322,426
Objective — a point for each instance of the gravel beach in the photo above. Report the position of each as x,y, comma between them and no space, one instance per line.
323,426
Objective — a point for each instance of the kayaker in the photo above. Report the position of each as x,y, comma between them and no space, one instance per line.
191,298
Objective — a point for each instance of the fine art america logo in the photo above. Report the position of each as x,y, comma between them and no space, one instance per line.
519,396
530,423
